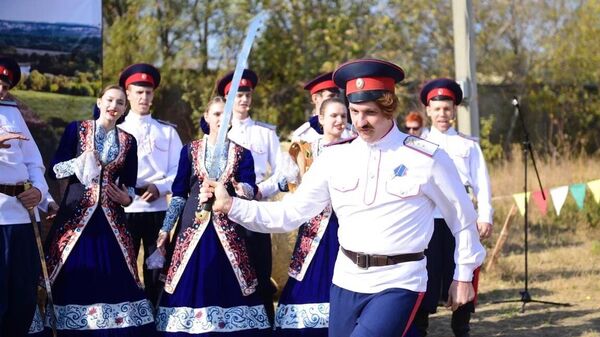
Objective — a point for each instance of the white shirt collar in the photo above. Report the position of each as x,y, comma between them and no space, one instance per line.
242,122
135,117
391,140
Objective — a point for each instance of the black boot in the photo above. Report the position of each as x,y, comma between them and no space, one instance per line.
421,322
460,321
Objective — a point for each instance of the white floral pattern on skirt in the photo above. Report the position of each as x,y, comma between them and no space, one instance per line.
103,315
211,319
302,316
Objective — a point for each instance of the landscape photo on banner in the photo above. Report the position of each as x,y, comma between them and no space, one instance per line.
58,44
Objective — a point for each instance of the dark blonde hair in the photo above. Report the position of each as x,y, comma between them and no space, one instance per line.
216,99
388,103
328,101
110,87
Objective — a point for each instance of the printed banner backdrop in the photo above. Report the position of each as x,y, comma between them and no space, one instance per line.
58,44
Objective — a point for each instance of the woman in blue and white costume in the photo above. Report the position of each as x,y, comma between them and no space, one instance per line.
303,308
210,287
90,255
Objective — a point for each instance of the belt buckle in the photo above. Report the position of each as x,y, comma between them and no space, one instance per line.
363,261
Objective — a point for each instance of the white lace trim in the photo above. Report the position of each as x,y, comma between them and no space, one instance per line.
302,316
103,315
211,319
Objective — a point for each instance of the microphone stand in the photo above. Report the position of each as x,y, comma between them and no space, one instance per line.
527,149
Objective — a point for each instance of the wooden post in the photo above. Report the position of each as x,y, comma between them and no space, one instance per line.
502,238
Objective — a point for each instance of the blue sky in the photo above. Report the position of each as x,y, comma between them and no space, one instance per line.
88,12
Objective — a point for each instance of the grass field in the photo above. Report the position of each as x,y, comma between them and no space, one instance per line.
49,105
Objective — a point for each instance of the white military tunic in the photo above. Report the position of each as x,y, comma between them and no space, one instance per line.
261,139
468,158
19,163
384,194
158,148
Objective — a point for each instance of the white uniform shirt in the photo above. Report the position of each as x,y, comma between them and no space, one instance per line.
467,157
261,139
379,211
306,133
158,149
19,163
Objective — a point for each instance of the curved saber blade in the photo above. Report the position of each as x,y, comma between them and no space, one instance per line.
256,24
253,28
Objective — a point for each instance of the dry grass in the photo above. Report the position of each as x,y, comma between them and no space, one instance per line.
564,255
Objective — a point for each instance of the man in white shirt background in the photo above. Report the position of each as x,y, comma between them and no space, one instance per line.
441,97
158,146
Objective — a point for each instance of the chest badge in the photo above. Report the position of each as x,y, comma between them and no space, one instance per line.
400,171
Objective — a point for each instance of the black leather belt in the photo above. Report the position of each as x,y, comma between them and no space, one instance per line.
140,190
365,261
12,190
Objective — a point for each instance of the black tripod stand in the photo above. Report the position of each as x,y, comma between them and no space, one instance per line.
527,149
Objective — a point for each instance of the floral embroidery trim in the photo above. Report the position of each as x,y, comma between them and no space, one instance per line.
211,319
302,316
309,237
175,209
100,316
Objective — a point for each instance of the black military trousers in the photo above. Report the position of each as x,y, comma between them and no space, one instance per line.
144,228
19,275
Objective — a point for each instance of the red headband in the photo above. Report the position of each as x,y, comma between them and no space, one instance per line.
440,92
369,84
243,83
6,72
322,86
139,77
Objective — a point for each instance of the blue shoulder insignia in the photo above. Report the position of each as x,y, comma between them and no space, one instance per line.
8,103
341,141
421,145
167,123
265,125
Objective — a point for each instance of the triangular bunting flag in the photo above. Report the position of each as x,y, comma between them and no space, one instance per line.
594,186
540,202
578,192
559,195
520,201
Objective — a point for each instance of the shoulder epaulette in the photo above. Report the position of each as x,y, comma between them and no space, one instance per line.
421,145
341,141
265,125
167,123
475,139
301,129
8,103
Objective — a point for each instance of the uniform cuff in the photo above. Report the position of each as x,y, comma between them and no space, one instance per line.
463,273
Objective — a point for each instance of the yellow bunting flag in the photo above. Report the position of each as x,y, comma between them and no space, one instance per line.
520,201
594,186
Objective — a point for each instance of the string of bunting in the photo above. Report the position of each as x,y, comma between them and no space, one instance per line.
559,196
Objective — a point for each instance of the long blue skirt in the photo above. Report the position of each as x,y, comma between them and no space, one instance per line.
95,293
208,301
303,308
